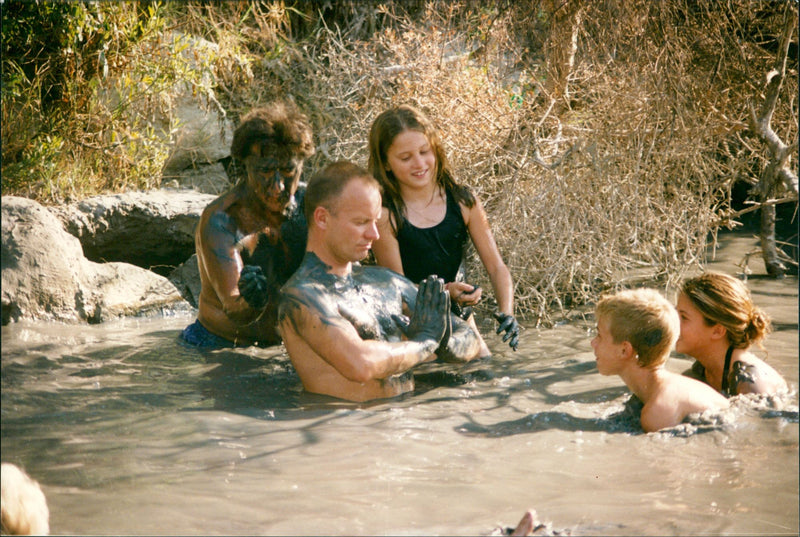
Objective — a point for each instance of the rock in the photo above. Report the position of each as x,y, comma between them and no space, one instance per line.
204,136
207,178
186,279
153,230
185,113
203,131
46,276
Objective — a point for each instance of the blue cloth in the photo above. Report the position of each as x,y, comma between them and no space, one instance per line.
197,334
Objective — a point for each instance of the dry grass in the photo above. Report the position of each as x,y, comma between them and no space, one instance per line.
622,184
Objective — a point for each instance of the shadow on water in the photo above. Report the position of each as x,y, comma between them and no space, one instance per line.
246,384
785,327
538,382
245,381
523,376
260,383
266,387
624,421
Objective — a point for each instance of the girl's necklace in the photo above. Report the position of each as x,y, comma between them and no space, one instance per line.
424,216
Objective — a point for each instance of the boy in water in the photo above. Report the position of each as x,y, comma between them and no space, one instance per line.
252,238
636,330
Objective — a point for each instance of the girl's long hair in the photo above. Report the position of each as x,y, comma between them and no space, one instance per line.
384,129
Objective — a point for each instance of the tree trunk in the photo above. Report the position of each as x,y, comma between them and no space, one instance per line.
769,247
561,45
777,174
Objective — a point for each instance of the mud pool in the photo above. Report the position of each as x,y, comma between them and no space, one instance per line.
131,432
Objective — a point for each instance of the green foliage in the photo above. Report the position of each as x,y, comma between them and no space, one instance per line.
82,83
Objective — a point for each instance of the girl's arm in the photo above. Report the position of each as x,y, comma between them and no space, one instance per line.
386,248
749,374
481,234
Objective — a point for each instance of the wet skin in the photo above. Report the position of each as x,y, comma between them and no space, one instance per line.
744,377
375,301
366,298
256,223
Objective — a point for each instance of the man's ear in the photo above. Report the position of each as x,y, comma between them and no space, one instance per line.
321,216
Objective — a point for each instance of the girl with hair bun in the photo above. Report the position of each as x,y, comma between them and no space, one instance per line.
719,324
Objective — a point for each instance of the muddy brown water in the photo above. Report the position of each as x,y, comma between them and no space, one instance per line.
131,432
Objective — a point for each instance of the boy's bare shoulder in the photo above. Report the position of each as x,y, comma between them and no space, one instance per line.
693,389
677,397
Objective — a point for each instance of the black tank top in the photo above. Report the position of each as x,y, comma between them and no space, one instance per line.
434,250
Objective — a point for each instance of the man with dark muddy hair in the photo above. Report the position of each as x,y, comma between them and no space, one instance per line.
344,324
255,224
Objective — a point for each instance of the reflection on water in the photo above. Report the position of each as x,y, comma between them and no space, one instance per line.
131,432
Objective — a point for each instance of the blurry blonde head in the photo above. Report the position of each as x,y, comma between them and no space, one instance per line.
23,505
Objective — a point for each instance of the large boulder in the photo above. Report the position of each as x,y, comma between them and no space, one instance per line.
186,277
210,178
184,113
46,276
203,130
153,230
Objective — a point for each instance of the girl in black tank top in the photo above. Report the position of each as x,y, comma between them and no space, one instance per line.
407,157
443,245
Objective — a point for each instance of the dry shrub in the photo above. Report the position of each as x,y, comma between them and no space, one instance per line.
93,110
621,184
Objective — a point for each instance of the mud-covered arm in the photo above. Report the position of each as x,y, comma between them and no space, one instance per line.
254,287
274,259
460,343
755,378
308,314
218,249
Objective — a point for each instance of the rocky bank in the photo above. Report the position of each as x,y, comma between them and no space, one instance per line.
101,258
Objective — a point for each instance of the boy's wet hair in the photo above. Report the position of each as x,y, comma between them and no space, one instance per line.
279,124
645,319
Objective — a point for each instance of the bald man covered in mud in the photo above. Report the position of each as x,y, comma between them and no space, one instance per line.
257,225
344,324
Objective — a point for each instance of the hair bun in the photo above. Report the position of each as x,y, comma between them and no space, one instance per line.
758,325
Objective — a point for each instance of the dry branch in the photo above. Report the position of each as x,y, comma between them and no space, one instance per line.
776,173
